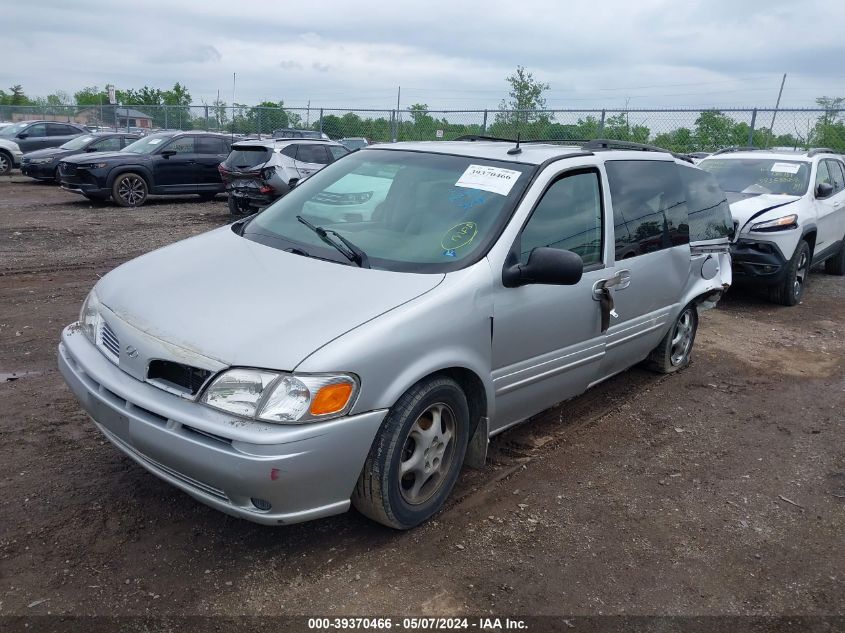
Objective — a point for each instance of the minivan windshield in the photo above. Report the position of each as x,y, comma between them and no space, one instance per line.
146,145
408,211
759,175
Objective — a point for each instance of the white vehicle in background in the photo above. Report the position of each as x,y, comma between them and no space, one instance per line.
788,209
10,155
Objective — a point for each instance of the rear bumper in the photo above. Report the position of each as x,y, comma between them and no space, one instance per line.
253,197
758,262
301,472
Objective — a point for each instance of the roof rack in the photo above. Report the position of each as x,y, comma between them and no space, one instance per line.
820,150
736,148
608,144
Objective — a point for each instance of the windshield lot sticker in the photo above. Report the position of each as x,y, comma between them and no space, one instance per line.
459,236
450,252
154,141
786,168
493,179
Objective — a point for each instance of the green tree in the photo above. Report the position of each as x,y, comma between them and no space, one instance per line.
526,93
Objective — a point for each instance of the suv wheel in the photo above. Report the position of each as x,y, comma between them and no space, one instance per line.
416,456
5,164
836,264
791,289
674,351
129,190
238,209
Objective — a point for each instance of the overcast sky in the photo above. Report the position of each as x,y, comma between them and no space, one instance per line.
446,53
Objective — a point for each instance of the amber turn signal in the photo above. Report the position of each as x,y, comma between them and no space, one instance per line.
331,398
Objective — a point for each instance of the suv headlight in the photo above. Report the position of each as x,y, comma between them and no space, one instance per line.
89,316
42,161
280,397
780,224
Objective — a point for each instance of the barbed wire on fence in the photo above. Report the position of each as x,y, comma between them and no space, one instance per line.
677,129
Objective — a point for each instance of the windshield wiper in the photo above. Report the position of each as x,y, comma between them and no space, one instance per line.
347,249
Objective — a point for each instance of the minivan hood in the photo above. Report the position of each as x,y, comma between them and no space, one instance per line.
247,304
744,206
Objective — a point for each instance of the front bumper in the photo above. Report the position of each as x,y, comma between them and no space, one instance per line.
758,261
83,181
41,171
302,472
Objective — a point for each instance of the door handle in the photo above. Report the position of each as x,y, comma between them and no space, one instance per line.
619,281
836,204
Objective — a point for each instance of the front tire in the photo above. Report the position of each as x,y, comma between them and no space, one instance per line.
416,457
791,289
130,190
674,351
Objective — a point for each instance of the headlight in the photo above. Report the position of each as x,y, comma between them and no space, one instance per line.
93,165
780,224
89,316
41,161
281,397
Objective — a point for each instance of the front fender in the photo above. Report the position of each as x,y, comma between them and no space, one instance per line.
446,328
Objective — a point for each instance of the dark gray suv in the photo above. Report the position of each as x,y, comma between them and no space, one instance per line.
33,135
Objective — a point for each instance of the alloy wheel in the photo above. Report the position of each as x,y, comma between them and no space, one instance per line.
801,274
5,166
132,190
427,454
682,338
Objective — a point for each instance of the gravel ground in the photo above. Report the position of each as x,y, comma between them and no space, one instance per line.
716,491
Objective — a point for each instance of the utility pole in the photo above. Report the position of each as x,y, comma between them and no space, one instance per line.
775,113
234,75
308,114
396,122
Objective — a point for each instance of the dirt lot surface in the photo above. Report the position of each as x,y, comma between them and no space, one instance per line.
719,490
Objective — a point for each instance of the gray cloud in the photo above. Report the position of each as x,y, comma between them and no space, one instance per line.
452,55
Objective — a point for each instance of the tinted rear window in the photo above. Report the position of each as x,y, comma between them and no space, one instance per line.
649,209
248,157
709,213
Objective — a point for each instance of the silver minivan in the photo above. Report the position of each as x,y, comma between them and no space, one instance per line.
313,356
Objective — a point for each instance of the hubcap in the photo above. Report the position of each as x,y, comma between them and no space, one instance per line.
131,190
4,164
682,338
800,274
427,454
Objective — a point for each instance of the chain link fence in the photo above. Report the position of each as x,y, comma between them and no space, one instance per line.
680,130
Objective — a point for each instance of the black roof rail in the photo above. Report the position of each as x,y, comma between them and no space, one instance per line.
821,150
608,144
481,137
736,148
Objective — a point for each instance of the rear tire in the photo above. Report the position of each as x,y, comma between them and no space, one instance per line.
129,190
836,264
416,456
5,164
791,289
236,210
674,351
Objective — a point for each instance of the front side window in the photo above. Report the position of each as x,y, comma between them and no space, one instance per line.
822,174
835,174
568,217
408,211
755,176
182,145
709,212
107,144
649,206
38,130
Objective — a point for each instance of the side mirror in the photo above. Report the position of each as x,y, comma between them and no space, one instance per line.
545,266
824,190
169,152
23,135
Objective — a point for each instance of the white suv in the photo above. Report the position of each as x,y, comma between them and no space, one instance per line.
789,215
